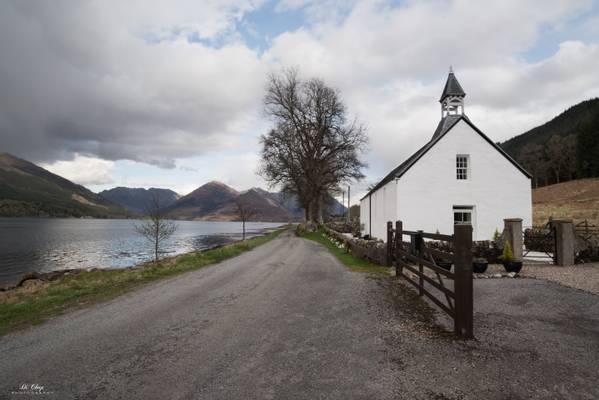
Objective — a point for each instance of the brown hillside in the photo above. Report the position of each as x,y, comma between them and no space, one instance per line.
205,200
577,200
264,209
215,201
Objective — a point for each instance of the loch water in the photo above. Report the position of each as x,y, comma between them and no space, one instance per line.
49,244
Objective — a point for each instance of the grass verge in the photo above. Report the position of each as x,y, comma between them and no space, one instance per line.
32,305
348,259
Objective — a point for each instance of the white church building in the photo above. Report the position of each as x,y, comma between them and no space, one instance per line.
458,176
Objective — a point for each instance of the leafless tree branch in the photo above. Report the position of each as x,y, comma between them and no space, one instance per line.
156,229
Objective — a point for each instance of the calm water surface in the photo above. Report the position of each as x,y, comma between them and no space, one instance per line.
42,245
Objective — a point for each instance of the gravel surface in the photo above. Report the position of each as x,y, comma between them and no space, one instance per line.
287,321
534,340
581,276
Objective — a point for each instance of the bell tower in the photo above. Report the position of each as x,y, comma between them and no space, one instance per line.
452,98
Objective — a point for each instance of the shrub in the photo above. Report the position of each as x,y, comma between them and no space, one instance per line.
496,235
508,255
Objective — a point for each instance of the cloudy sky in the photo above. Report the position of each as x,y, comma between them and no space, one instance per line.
168,93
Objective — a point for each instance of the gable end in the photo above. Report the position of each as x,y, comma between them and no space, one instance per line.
442,130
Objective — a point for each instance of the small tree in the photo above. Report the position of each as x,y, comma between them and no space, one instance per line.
508,255
156,228
244,213
496,235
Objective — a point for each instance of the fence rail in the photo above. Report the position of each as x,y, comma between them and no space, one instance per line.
414,256
587,231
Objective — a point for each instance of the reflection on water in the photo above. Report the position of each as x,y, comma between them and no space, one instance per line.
42,245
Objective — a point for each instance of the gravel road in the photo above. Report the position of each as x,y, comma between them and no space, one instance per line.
287,321
534,340
283,321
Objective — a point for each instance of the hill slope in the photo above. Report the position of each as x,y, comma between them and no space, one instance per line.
564,124
29,190
289,203
216,201
205,200
138,200
263,207
577,200
565,148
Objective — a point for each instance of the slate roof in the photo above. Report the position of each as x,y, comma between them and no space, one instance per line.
452,87
444,126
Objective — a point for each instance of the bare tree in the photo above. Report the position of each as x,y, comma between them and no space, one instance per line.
313,148
561,153
244,213
532,158
156,228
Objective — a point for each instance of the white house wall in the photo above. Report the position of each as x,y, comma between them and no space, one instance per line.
365,216
428,191
384,208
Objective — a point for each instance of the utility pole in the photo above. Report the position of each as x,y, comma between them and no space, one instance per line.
348,203
343,203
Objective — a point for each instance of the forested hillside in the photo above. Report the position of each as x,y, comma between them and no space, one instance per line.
565,148
139,200
27,190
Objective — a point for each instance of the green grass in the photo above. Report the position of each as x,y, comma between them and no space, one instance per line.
25,306
349,260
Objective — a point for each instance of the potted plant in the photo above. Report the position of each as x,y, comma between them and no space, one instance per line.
509,263
479,265
444,264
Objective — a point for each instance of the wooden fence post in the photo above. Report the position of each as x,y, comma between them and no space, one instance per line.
413,245
420,255
398,243
389,242
463,324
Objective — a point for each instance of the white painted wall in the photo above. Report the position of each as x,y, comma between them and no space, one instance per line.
365,216
428,191
384,208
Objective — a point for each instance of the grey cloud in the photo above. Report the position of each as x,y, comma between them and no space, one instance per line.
75,78
391,63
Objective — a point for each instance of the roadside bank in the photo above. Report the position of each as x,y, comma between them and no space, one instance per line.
36,300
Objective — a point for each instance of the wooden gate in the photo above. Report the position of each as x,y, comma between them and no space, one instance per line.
417,255
540,244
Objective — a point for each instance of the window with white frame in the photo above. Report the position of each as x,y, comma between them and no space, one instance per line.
462,214
461,162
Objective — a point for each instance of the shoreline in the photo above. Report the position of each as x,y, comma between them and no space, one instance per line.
36,300
49,276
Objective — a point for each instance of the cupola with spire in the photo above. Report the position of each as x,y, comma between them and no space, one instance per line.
452,98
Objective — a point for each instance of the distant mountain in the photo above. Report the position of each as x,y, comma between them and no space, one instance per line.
202,202
29,190
291,204
138,200
263,207
288,202
216,201
335,207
